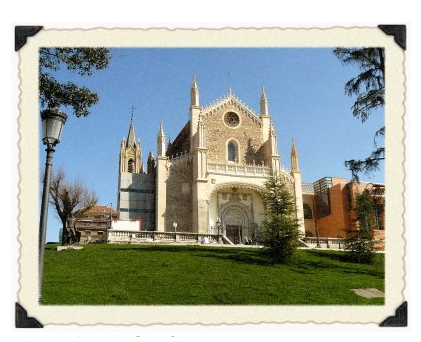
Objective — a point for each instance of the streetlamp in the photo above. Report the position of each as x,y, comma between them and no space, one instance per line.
175,230
218,224
52,126
110,222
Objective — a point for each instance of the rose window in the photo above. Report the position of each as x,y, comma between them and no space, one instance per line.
231,119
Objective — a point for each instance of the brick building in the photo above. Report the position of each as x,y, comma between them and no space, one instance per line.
93,223
331,202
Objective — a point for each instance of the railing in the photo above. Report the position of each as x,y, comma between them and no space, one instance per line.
335,243
247,170
124,236
307,187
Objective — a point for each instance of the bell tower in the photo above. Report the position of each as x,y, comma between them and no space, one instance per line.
131,153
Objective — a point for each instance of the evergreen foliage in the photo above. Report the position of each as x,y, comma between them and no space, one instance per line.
80,60
280,229
360,242
369,87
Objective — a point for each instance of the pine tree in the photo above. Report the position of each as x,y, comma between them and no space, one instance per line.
280,229
369,87
360,243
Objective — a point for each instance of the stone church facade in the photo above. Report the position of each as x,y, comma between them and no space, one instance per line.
211,175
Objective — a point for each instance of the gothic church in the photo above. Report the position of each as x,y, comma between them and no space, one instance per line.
211,175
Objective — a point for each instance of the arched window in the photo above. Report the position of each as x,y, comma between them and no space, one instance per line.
130,166
308,213
232,152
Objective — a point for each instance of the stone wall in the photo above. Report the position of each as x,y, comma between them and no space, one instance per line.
137,198
248,134
179,195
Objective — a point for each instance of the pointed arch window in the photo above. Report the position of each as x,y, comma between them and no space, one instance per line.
232,152
130,166
308,213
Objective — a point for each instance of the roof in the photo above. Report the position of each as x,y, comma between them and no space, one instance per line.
181,144
96,210
130,136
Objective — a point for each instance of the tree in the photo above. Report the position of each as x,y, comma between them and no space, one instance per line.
368,208
369,86
280,229
80,60
69,199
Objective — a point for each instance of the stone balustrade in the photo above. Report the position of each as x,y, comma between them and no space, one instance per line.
235,169
124,236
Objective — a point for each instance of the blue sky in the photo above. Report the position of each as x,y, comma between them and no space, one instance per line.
304,88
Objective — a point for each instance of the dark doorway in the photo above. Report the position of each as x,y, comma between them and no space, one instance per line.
235,234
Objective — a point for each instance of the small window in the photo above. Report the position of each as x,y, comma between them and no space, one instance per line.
231,152
224,196
130,166
244,197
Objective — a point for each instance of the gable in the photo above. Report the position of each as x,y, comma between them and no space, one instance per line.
227,120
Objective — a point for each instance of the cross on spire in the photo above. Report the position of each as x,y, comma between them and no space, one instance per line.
133,109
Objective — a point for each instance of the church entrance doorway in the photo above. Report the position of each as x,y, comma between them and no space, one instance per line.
234,234
235,218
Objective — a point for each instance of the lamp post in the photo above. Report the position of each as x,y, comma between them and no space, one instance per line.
110,223
52,126
175,230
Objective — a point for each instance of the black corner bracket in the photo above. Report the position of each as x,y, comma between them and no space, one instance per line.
400,319
23,32
23,321
397,31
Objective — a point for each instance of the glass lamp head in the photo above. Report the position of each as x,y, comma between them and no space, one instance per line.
52,125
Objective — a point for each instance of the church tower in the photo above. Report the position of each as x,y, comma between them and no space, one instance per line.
136,190
296,173
131,153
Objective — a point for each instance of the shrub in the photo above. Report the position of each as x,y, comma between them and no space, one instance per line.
360,246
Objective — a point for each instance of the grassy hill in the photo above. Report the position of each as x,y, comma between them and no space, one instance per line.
203,275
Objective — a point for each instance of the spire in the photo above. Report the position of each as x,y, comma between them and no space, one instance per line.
131,137
263,103
151,163
161,140
294,157
161,131
272,131
194,93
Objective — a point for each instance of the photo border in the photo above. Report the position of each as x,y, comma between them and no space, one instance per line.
224,37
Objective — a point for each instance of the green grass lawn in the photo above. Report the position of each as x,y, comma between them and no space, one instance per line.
183,275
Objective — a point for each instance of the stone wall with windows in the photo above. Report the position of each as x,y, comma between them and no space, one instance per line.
246,133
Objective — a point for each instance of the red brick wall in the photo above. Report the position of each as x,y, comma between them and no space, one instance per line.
335,224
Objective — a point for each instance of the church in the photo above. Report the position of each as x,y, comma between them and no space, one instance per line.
212,175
